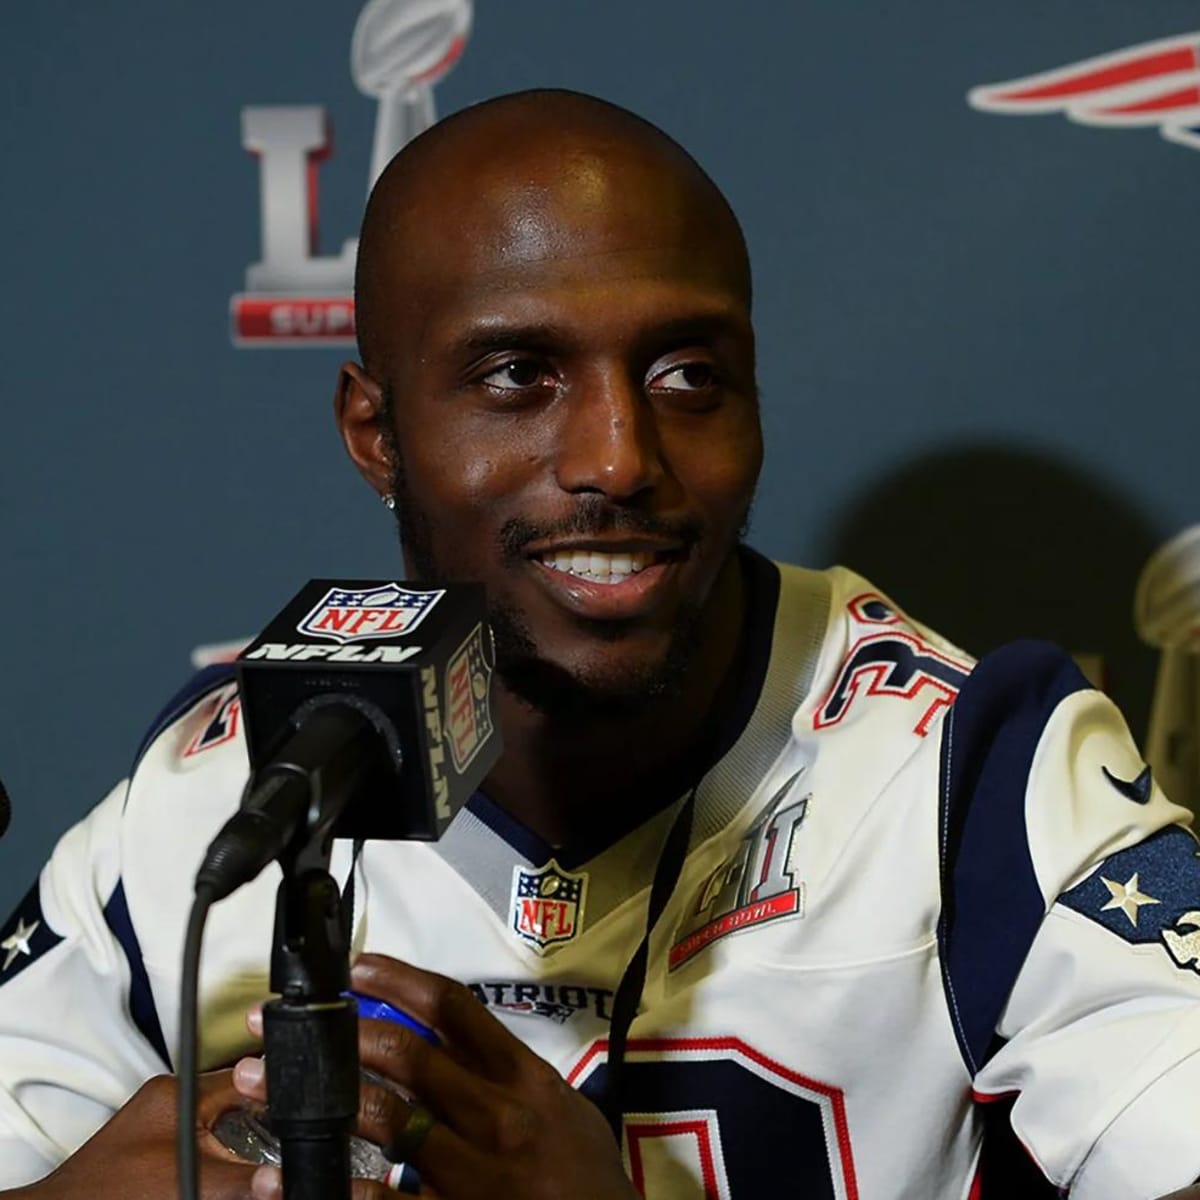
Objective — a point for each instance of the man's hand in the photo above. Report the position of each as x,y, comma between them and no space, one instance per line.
132,1157
507,1123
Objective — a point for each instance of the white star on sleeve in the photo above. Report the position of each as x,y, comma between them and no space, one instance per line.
18,943
1126,897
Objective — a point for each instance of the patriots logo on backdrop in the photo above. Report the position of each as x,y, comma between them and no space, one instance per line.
212,653
1155,83
1148,894
345,615
547,905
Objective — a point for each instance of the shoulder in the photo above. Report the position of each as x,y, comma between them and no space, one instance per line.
192,753
205,708
187,779
869,653
1040,782
1030,745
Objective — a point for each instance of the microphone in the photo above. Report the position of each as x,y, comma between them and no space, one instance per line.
5,810
366,707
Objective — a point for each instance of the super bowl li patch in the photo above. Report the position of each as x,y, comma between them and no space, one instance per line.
756,885
25,936
547,905
1148,894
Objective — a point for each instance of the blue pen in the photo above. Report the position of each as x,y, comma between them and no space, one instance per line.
369,1006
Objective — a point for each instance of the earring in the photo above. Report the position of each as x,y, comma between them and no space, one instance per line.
389,502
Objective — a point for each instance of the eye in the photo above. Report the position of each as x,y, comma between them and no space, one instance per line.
687,377
514,375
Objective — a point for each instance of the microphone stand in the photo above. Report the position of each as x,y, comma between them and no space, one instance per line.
311,1031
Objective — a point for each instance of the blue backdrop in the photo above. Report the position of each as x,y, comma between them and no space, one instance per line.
977,331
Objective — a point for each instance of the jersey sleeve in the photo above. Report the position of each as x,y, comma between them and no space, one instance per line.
1056,835
72,1046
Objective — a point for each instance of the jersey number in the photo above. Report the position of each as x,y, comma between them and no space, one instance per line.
713,1119
893,664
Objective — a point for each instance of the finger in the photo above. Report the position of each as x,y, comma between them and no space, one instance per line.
254,1020
370,1189
444,1157
458,1096
451,1167
225,1180
250,1079
267,1184
381,1112
450,1008
217,1092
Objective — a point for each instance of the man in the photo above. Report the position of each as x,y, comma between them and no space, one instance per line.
888,888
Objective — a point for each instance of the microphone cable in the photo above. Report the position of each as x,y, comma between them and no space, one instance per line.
187,1073
282,797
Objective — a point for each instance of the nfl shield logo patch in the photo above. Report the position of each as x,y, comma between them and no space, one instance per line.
345,615
468,715
547,905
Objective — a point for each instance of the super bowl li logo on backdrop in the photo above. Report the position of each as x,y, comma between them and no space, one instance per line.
296,296
1155,83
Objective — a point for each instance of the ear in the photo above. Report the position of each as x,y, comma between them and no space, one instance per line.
358,410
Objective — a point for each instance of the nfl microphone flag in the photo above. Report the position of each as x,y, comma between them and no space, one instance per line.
416,660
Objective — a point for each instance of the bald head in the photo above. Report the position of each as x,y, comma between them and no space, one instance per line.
537,175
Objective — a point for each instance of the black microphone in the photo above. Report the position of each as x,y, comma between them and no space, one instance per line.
5,810
365,704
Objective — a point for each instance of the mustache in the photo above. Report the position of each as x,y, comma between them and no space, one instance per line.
592,519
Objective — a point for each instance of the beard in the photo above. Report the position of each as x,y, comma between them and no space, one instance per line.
545,686
555,691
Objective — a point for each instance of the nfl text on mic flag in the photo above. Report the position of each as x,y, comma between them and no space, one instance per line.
376,691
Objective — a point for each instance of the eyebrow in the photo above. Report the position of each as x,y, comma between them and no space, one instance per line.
489,338
698,327
496,337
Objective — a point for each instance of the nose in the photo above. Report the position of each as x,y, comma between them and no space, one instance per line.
609,440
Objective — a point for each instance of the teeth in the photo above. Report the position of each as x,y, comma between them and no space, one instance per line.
597,567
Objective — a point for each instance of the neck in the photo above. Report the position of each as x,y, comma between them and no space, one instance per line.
592,778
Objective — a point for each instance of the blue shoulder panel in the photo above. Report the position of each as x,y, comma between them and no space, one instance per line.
203,681
141,999
991,903
1148,894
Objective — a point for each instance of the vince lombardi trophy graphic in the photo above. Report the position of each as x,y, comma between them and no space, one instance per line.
1167,616
401,48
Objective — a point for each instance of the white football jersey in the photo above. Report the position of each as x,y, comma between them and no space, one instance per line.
914,885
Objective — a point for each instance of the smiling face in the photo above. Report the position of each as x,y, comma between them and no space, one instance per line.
568,368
